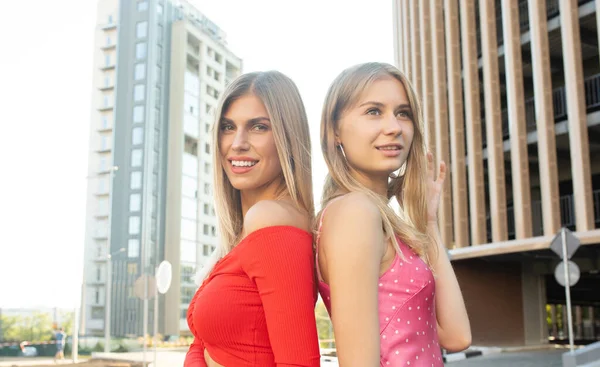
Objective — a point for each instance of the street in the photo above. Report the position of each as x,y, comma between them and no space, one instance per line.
545,358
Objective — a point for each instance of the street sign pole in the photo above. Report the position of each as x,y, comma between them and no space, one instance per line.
567,287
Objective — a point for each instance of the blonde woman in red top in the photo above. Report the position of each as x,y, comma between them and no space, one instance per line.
255,306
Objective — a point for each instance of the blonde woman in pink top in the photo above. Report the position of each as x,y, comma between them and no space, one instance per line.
384,276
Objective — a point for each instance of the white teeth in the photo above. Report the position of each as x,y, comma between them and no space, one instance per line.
243,163
388,148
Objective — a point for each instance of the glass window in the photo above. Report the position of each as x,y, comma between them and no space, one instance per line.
104,122
189,186
132,268
160,33
138,114
136,180
206,168
205,229
205,250
136,158
138,92
106,81
107,60
140,71
189,207
159,9
135,202
190,165
133,248
190,104
188,229
188,251
142,5
141,30
159,55
106,101
140,50
158,74
157,95
110,19
207,148
104,142
102,164
137,136
103,184
207,189
97,296
108,41
134,225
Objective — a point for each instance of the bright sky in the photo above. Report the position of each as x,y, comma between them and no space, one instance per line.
46,90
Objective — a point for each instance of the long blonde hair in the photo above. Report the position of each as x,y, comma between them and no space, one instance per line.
286,111
409,187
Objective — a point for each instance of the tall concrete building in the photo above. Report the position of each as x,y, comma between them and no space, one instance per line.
159,68
511,101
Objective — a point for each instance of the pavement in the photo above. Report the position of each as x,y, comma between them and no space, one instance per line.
538,358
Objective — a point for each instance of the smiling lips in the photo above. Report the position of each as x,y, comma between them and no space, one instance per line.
390,150
241,165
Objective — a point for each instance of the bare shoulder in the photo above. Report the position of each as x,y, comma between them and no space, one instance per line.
352,219
270,213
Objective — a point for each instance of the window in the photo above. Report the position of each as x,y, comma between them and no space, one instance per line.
103,142
106,81
140,71
205,250
207,127
132,268
136,180
188,251
141,30
110,19
133,248
207,148
138,92
136,158
217,76
218,58
135,202
206,168
104,122
106,101
137,136
140,50
188,186
158,74
189,207
205,229
97,297
188,229
98,273
134,225
102,164
97,313
107,60
138,114
213,230
108,41
206,209
159,55
142,5
159,9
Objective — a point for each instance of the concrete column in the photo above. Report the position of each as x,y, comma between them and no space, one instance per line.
440,114
493,121
397,25
473,122
516,119
407,40
415,46
534,306
426,76
544,116
578,134
457,131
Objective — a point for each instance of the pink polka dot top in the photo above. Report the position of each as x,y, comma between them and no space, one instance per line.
407,319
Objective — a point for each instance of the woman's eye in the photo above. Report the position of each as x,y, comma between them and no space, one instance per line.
404,114
259,127
226,127
374,111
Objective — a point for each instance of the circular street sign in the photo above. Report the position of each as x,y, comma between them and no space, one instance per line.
574,273
163,277
138,287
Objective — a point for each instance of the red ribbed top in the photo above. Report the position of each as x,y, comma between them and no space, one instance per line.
257,306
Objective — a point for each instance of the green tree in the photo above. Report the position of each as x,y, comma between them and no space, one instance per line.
324,327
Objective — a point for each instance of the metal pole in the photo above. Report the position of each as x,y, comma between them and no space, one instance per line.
155,317
567,287
107,304
75,347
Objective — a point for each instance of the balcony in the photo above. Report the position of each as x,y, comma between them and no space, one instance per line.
109,26
559,105
107,107
109,46
104,129
95,324
107,87
110,66
567,216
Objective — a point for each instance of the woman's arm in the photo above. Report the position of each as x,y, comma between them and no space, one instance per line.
279,260
351,247
454,330
195,355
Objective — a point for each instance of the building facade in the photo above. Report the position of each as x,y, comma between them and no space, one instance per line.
511,100
159,68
